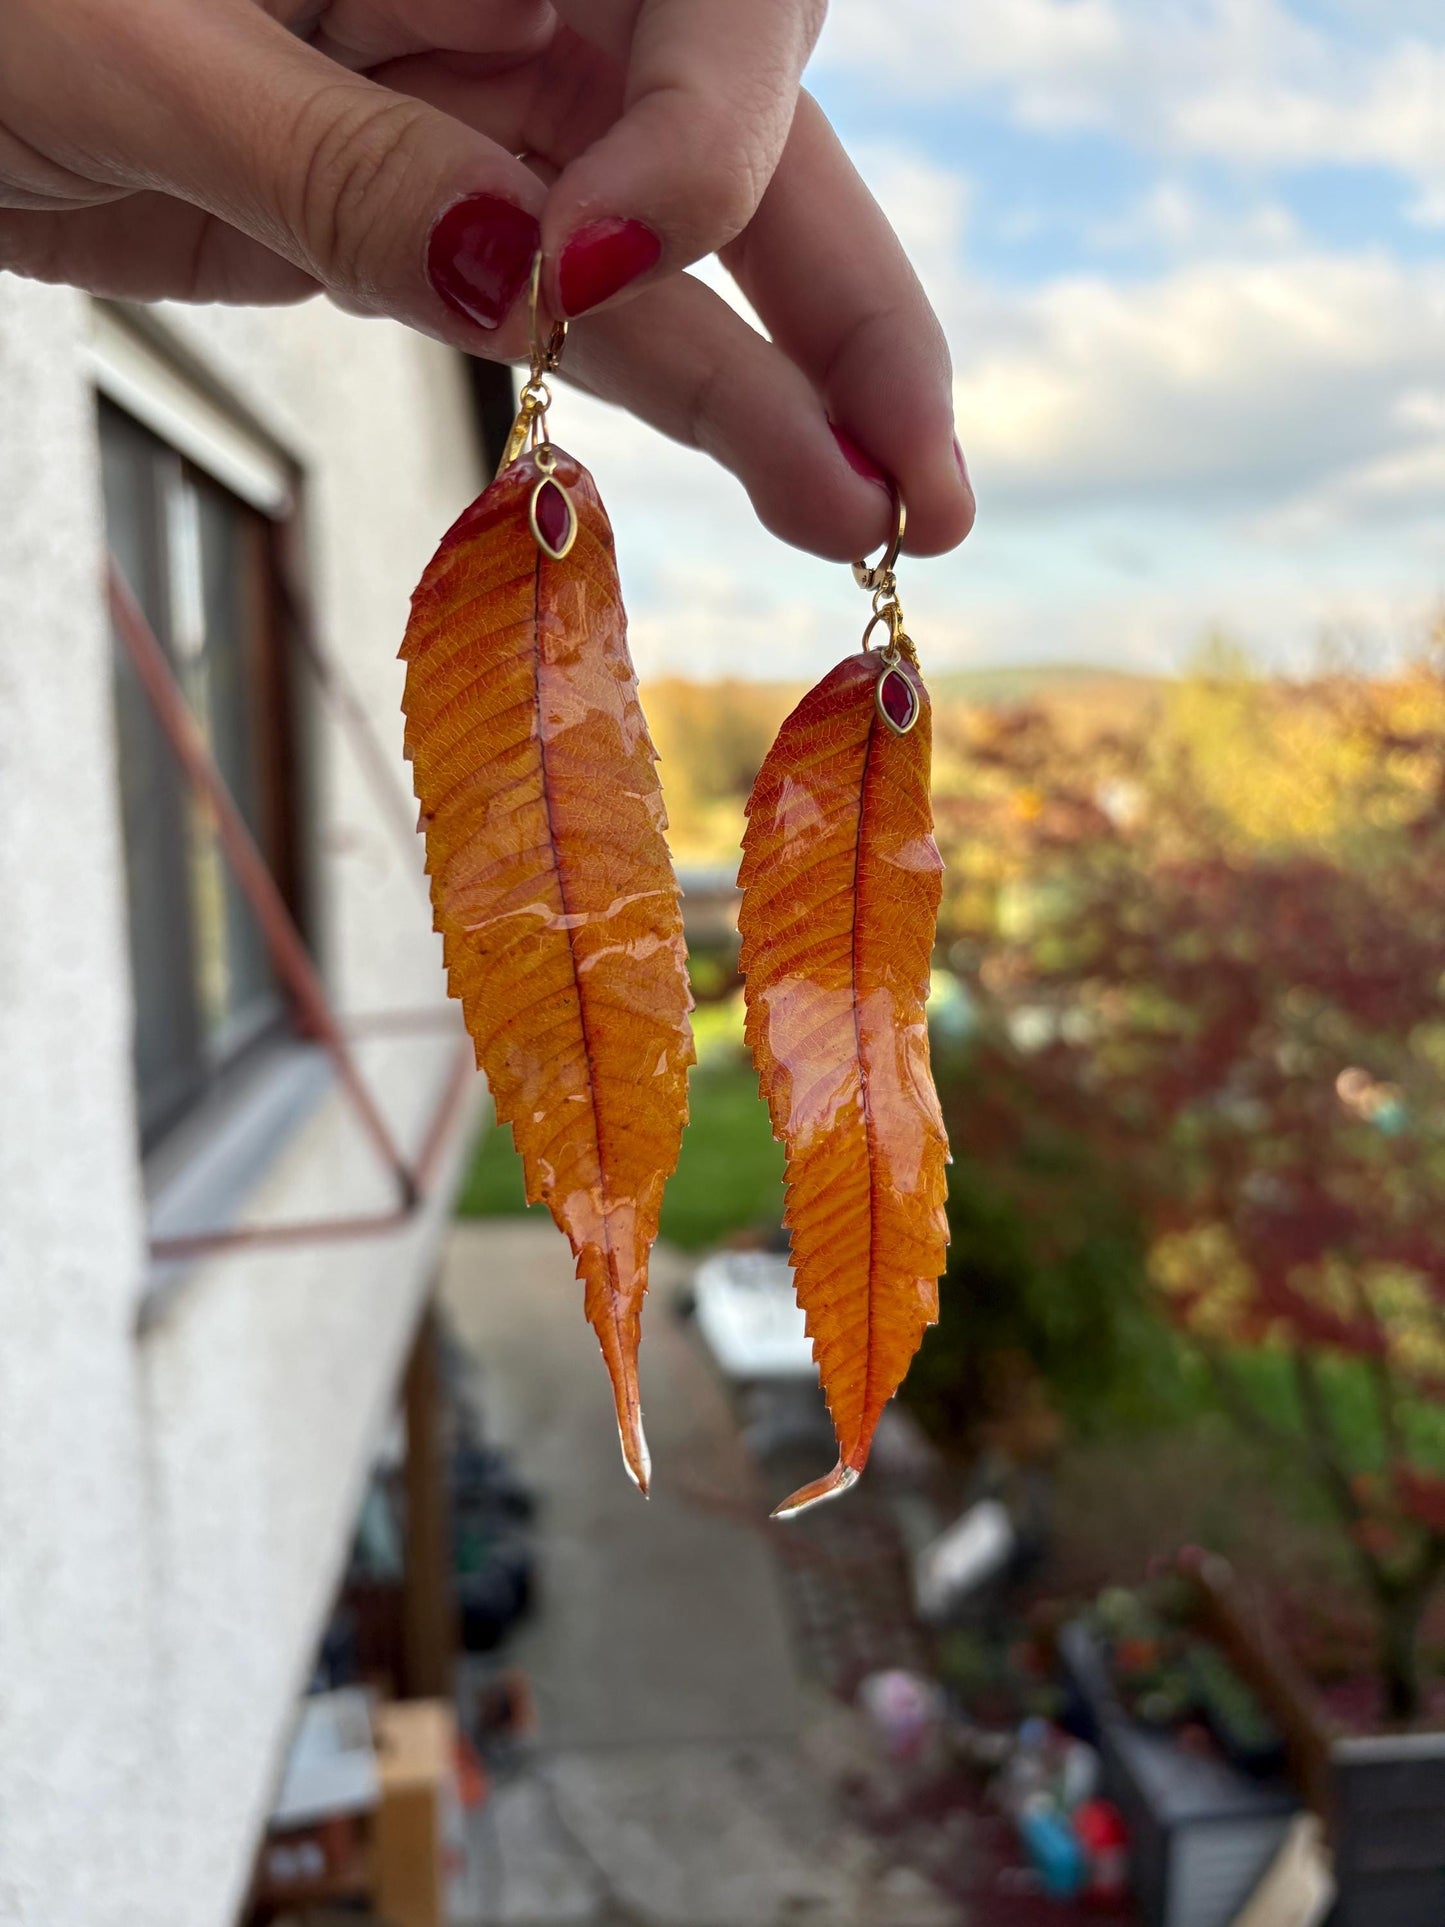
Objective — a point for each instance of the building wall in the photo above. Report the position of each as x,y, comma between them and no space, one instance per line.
177,1490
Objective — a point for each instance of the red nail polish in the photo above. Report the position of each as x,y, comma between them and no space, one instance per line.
860,463
601,258
479,257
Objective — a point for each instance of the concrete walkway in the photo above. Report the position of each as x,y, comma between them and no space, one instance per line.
677,1779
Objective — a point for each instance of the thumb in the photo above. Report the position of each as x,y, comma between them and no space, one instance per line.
394,207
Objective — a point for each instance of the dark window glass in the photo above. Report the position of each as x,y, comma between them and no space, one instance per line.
200,564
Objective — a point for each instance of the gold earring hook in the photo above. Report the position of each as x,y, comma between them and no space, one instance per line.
874,577
879,579
529,428
545,357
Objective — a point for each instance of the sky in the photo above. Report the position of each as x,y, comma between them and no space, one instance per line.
1190,259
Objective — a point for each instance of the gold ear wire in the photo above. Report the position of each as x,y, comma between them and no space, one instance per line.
880,579
529,428
873,577
545,357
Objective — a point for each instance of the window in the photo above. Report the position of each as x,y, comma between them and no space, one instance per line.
201,564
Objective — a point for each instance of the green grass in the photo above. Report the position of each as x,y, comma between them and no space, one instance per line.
728,1177
1265,1378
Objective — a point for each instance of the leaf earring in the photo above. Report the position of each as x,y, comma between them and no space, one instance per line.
551,883
841,881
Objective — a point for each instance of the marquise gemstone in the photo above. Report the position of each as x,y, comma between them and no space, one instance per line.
554,516
898,699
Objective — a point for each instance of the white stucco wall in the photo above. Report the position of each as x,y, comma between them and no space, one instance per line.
175,1502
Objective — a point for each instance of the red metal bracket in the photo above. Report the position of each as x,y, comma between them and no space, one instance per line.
290,958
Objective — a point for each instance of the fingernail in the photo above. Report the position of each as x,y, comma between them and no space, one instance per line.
860,463
961,463
601,258
479,256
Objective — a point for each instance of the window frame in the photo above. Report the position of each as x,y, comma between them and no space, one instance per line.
214,446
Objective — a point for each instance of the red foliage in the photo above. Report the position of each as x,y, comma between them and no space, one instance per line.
1254,1029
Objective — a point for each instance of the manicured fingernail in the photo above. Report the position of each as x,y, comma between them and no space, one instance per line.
601,258
860,463
479,256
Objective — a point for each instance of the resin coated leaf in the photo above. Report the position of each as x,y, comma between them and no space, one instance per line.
550,877
841,880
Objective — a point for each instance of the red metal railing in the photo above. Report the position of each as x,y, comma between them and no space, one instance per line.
311,1005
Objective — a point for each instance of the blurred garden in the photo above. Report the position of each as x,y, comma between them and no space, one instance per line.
1189,1031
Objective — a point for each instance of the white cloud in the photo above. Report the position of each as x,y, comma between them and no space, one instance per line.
1235,383
1394,492
1252,437
1422,408
711,624
1284,624
1173,216
1242,80
1389,111
1253,444
1047,48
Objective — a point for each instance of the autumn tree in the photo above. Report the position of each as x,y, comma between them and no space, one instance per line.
1223,960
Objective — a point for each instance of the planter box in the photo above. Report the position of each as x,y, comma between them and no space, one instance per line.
1388,1827
1201,1834
1382,1797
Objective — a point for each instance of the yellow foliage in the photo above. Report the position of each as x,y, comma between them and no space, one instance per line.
1204,1270
711,739
1283,762
1291,762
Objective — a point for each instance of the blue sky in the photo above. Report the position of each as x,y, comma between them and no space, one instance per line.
1190,257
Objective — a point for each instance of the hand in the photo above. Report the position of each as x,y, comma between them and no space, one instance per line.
229,150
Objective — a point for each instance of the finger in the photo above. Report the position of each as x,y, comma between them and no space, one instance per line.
835,289
148,247
394,207
890,391
708,99
552,107
680,358
360,34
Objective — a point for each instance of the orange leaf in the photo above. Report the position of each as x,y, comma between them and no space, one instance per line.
550,879
841,880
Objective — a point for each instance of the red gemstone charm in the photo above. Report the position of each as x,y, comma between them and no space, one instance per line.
554,522
897,700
